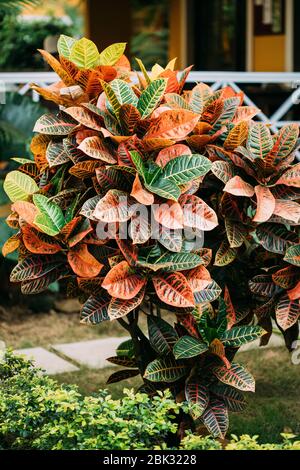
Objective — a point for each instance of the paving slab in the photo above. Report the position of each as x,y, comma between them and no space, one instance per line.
48,361
275,342
93,353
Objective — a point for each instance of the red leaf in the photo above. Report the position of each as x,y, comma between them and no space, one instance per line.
294,293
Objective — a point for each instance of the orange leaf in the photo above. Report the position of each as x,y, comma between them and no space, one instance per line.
38,243
245,113
238,187
236,136
119,307
11,245
39,143
265,204
197,142
198,278
169,215
83,116
289,210
83,263
169,153
231,317
294,293
122,282
217,348
197,214
129,117
156,143
141,194
115,206
173,289
291,177
94,147
175,124
57,67
26,210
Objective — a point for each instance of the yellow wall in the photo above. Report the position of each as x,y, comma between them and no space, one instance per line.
269,53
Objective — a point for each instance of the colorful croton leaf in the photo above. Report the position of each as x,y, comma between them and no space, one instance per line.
144,198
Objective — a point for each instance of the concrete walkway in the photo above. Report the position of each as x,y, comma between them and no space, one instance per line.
69,357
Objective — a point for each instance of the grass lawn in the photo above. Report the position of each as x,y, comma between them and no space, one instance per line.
272,409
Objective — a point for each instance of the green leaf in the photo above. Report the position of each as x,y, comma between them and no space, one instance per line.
112,98
165,189
51,219
176,101
84,53
260,141
233,399
196,393
187,347
215,418
34,267
292,255
210,293
144,71
56,154
224,171
225,254
112,53
162,335
42,283
235,233
239,335
165,370
185,168
126,348
64,45
275,238
138,162
151,97
19,186
179,261
171,239
124,92
237,376
95,309
124,374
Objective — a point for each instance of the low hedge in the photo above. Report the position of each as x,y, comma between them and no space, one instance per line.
36,412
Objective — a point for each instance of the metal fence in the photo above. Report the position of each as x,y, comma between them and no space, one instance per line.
289,82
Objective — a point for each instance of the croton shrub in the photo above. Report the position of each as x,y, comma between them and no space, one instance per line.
145,197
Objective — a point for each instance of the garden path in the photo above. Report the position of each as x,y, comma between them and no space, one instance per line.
69,357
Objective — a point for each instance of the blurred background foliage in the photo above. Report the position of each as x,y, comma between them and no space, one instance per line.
150,34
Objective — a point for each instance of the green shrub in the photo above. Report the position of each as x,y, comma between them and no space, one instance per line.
244,442
38,413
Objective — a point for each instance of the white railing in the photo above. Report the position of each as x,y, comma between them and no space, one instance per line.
290,81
